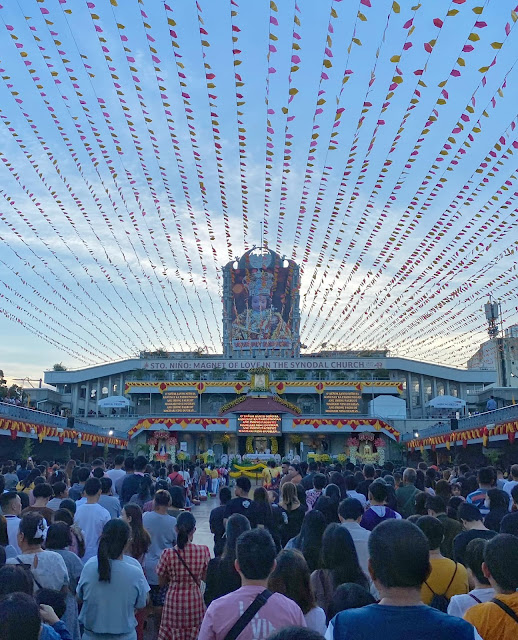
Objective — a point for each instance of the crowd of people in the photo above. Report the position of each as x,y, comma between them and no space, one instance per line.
106,551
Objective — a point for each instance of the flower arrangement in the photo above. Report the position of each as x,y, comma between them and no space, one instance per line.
249,444
379,443
275,446
341,457
225,438
353,442
287,404
295,439
259,370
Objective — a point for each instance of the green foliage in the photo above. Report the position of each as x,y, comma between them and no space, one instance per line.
241,375
28,447
139,374
59,366
300,374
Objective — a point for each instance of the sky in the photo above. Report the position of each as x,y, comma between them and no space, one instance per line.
123,192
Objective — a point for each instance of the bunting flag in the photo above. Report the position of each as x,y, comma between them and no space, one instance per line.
146,145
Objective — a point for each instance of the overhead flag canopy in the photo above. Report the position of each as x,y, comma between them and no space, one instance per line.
146,144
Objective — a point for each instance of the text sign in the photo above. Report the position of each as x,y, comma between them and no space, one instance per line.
180,401
259,423
342,402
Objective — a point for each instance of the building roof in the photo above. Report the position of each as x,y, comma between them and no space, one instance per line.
258,404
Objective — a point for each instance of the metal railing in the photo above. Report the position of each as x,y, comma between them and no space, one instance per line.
31,415
490,417
15,412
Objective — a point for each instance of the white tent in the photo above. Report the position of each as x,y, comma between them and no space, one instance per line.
115,402
446,402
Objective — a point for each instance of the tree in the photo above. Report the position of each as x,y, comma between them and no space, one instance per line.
14,391
59,366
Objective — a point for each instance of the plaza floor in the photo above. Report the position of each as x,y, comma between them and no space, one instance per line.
201,512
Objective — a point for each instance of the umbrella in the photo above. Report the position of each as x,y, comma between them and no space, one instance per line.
446,402
115,402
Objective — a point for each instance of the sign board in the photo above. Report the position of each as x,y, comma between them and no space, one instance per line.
259,424
275,364
183,446
342,401
180,401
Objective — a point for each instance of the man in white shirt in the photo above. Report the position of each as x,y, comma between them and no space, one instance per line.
351,484
116,473
11,506
91,517
512,482
350,513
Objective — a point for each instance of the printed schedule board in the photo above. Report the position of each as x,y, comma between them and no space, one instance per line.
259,423
180,401
342,402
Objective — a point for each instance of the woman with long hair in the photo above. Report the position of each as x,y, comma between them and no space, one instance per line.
111,588
339,565
498,503
222,577
293,513
309,540
339,480
291,577
182,569
140,539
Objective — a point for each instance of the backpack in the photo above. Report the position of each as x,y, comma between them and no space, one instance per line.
440,601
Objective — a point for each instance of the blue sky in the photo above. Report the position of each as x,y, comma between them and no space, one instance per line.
98,289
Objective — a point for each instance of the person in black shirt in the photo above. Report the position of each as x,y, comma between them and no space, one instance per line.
216,520
363,487
131,483
471,519
307,481
242,503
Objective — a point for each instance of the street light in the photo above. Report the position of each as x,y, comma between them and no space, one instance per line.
110,432
416,434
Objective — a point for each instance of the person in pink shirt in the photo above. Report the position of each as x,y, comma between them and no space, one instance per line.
252,612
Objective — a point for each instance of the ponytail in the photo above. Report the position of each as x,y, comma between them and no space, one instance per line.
185,525
113,539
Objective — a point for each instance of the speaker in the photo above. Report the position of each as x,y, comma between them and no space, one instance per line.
454,424
70,422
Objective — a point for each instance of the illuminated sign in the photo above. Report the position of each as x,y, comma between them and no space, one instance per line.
259,423
180,401
342,402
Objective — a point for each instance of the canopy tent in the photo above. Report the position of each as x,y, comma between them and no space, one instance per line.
446,402
115,402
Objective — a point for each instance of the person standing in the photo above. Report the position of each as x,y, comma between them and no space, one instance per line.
482,591
479,497
498,618
378,511
182,569
162,531
76,490
368,474
11,506
255,562
131,482
350,513
47,567
116,473
111,589
437,508
91,517
58,539
471,520
242,503
292,513
511,483
447,578
399,564
109,501
491,404
406,494
217,520
42,493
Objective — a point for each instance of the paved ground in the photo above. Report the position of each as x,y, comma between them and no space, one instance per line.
201,513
